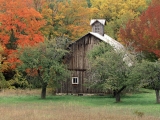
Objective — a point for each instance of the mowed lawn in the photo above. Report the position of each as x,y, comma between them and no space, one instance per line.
27,105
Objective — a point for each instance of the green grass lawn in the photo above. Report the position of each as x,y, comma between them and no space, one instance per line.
86,107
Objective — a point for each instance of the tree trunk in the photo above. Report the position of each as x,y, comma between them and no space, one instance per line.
116,94
43,92
157,96
118,97
44,85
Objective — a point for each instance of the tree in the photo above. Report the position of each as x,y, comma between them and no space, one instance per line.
20,24
148,74
117,13
44,62
69,18
37,4
3,83
144,31
108,69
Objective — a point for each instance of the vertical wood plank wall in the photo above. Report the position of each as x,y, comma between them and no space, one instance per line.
78,64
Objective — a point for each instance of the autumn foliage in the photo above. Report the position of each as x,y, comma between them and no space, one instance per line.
66,18
117,12
19,25
144,32
25,22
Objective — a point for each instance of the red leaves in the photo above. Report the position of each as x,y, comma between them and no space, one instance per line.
146,35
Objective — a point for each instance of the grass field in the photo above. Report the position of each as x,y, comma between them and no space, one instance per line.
27,105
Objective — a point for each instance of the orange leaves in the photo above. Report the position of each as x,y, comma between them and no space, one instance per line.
77,18
67,18
23,20
26,40
32,72
20,24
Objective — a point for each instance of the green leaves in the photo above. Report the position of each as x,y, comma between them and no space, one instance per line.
107,67
147,74
45,60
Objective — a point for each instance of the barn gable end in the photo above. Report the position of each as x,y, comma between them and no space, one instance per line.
77,61
78,64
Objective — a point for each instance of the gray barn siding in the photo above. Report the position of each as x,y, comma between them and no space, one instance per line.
78,64
99,26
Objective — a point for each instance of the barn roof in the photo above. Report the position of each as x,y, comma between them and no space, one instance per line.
102,21
107,39
115,44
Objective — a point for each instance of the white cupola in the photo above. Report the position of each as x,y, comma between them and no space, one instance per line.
98,26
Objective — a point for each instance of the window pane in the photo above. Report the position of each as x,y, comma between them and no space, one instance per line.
74,80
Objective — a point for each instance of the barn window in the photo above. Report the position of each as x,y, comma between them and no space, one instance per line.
97,29
75,80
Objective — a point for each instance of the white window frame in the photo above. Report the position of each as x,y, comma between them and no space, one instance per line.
77,82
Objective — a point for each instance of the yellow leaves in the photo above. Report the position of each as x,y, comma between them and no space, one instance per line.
59,17
3,66
62,16
67,18
136,4
117,12
118,7
133,32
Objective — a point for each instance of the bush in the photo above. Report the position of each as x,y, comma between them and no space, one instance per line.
18,81
3,82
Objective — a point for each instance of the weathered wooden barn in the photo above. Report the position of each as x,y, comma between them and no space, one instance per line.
78,63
